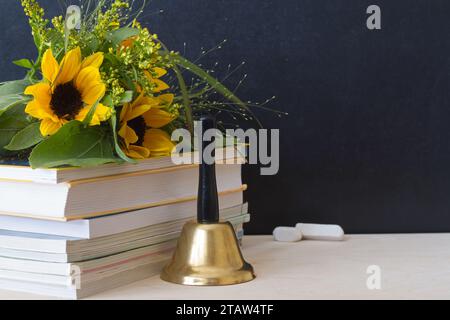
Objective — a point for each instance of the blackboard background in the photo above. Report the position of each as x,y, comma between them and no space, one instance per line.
366,144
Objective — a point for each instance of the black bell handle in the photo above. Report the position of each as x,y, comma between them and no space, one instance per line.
208,199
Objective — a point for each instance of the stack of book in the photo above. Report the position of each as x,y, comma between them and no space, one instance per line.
75,232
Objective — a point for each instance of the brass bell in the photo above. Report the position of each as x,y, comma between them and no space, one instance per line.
208,252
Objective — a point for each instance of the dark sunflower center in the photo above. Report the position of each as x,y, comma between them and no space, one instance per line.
139,126
66,101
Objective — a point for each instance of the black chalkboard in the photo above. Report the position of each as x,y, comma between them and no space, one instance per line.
367,141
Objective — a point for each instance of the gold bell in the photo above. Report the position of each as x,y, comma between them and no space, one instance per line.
208,255
208,252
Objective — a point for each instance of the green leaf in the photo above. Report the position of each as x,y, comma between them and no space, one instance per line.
54,36
126,97
111,59
93,44
107,101
186,100
10,101
25,63
26,138
75,145
87,120
13,87
12,121
129,82
213,82
119,35
118,149
37,40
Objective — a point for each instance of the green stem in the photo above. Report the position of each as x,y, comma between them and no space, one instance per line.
186,100
32,72
184,92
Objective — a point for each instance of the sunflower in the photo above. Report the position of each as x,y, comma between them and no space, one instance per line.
68,91
140,123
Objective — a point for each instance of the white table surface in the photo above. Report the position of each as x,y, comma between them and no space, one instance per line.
413,266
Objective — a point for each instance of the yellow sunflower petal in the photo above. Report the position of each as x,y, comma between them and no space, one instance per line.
95,60
49,66
166,100
127,43
39,111
150,101
128,134
95,121
41,92
40,107
158,141
159,72
137,111
160,85
83,113
89,83
93,94
137,152
49,127
102,113
34,109
69,67
138,88
124,112
157,118
138,101
87,78
148,75
81,116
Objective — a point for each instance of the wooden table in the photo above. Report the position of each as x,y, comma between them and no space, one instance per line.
412,266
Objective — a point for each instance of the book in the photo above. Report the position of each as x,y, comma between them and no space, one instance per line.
112,224
22,172
57,249
86,289
79,280
109,195
69,268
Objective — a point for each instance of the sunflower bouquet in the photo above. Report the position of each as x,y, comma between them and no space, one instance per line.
102,89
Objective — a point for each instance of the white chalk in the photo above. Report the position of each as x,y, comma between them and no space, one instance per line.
327,232
287,234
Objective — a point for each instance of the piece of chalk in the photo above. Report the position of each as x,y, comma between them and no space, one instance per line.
287,234
326,232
